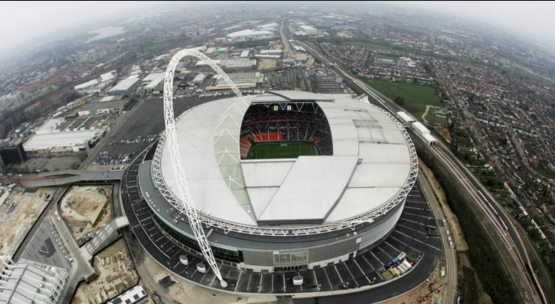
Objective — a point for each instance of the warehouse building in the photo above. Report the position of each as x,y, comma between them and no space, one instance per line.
107,107
309,30
154,82
199,79
237,64
63,142
244,80
125,86
249,35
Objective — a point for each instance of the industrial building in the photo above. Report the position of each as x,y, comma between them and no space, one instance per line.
86,85
153,82
249,35
237,64
199,79
309,30
12,153
125,86
106,107
31,282
243,80
96,85
71,141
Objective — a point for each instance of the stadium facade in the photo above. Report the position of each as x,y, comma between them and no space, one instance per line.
330,183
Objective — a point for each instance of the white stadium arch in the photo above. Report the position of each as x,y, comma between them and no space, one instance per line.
186,204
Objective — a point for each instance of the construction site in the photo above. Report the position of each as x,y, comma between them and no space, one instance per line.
116,274
17,215
86,209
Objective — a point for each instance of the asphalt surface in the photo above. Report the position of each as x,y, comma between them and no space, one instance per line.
450,253
415,234
147,118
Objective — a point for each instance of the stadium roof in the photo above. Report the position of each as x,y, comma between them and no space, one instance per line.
369,166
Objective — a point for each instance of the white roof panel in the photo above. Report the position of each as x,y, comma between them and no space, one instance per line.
369,165
266,173
311,190
356,198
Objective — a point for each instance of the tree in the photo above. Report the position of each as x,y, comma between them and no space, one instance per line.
399,100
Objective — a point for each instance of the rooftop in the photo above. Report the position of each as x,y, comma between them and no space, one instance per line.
370,165
59,140
125,84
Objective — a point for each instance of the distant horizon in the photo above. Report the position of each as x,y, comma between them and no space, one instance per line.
28,37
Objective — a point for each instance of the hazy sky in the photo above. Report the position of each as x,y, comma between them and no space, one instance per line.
527,18
22,22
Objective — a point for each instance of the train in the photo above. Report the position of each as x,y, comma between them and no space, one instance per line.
501,221
417,127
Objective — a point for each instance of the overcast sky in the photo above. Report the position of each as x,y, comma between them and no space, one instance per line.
23,22
527,18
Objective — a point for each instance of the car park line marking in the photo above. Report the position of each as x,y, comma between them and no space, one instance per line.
238,280
383,251
249,281
352,276
338,273
316,279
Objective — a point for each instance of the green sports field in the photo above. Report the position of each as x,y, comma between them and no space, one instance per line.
267,150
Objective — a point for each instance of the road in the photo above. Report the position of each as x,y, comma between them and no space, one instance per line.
511,240
450,253
52,205
71,177
286,45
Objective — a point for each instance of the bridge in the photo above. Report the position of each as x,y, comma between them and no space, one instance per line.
67,177
104,237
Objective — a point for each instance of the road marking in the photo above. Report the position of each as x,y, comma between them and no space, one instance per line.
316,279
406,244
392,246
382,263
249,282
338,273
352,276
368,263
238,280
383,251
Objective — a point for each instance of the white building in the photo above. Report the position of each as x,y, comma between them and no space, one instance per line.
153,81
31,282
124,86
249,35
309,30
199,79
133,295
86,85
50,126
110,76
63,141
244,80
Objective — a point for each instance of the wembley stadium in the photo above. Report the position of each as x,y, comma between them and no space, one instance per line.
278,185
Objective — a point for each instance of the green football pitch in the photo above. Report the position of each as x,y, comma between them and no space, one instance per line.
281,150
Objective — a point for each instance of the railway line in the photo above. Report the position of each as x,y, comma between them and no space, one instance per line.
494,213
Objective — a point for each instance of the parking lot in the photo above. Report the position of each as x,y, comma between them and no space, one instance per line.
138,129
